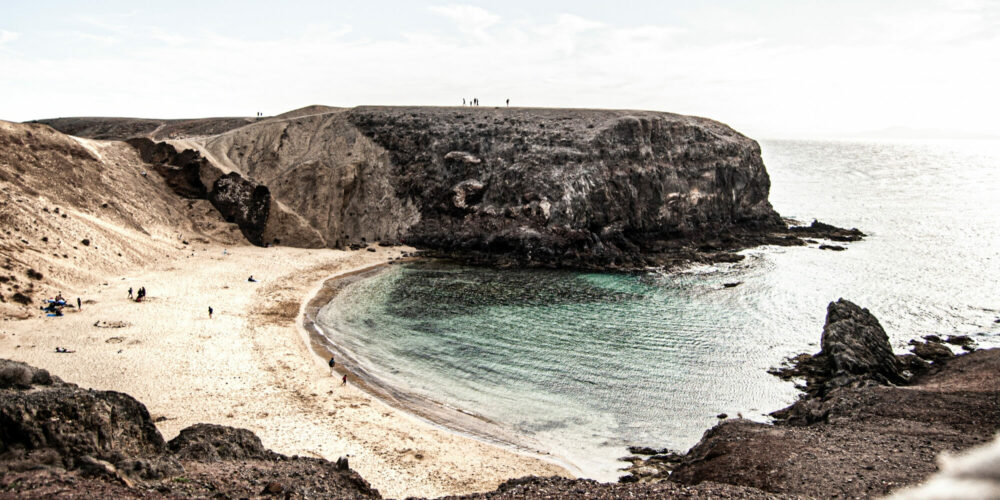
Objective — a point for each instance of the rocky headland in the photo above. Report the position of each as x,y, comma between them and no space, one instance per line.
600,189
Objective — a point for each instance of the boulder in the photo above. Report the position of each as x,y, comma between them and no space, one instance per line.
47,413
856,347
932,351
212,443
243,202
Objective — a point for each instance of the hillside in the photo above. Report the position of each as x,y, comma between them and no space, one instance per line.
75,210
600,189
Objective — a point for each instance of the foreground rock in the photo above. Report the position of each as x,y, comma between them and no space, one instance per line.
528,187
57,440
869,423
855,351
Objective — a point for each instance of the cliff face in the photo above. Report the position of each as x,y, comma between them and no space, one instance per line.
546,187
587,188
568,186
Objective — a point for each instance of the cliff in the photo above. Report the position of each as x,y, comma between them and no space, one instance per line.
532,187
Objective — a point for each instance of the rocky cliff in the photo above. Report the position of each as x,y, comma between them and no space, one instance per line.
550,187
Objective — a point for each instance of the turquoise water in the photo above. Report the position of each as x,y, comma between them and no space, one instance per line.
583,364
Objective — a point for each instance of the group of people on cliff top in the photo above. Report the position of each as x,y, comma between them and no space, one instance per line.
475,102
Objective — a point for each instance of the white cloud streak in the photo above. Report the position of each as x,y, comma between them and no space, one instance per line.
932,69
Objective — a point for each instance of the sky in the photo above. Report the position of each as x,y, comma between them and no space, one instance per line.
771,69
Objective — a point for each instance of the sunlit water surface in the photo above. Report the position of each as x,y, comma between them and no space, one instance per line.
585,364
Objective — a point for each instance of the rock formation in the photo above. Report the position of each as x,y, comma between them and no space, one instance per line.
238,200
53,433
855,432
855,346
533,187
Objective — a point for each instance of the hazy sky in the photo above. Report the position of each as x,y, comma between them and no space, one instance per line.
796,68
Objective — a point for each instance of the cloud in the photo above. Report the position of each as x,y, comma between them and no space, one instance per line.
8,36
770,78
469,19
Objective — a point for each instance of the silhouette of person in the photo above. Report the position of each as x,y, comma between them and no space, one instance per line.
463,101
508,102
210,312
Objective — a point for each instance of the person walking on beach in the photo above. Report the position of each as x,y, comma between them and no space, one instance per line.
79,306
343,381
209,312
130,292
332,363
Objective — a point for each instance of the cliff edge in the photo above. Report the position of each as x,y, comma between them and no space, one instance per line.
602,189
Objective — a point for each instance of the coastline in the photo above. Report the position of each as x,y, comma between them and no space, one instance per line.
249,367
433,412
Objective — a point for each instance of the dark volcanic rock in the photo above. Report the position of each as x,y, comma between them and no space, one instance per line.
211,443
932,351
181,171
59,440
558,487
569,187
856,346
244,202
855,350
72,422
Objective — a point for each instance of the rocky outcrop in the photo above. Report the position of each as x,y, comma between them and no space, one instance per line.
855,350
598,189
73,423
240,201
105,445
856,432
856,347
581,188
244,202
212,443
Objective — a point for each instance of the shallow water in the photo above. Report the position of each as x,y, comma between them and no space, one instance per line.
585,364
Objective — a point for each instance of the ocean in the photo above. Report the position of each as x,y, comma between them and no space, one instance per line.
581,365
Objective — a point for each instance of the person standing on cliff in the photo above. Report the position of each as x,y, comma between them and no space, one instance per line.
508,102
332,364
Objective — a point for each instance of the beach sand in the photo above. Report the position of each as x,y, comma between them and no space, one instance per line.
251,366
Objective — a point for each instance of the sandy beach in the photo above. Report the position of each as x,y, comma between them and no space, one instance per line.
251,366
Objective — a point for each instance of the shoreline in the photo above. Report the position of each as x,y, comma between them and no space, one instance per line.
248,367
439,414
